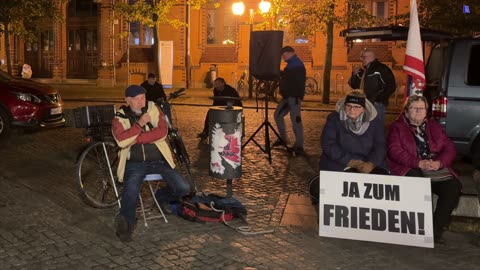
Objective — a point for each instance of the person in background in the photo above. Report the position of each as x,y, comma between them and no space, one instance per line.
154,91
220,89
375,79
353,138
292,90
140,131
419,147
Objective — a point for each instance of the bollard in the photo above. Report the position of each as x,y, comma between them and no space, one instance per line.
226,129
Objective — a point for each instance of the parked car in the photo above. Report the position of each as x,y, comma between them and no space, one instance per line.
453,81
28,104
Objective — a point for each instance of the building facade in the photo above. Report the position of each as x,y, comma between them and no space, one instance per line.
89,45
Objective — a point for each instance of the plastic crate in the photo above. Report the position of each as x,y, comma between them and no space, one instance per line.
96,115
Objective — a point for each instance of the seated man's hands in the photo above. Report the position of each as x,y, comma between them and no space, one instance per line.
144,119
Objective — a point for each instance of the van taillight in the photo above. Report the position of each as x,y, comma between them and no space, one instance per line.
439,107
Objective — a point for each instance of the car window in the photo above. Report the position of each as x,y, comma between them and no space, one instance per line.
435,65
474,66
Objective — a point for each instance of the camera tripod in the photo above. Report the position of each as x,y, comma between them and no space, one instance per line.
266,123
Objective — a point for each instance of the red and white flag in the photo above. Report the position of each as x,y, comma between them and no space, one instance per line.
414,65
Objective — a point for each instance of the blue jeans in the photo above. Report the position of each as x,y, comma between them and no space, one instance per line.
293,106
135,173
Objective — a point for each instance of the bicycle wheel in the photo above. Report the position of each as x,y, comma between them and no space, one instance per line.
311,86
181,156
242,89
94,175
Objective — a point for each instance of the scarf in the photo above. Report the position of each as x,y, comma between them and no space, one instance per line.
358,126
421,140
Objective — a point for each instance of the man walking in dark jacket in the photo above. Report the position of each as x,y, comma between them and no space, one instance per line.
292,89
375,79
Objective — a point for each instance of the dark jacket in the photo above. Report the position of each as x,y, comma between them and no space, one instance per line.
402,149
227,91
379,82
340,145
292,79
154,92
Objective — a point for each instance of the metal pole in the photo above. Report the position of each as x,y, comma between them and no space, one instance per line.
250,77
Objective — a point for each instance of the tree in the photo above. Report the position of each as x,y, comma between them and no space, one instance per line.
449,16
153,13
20,18
321,16
307,18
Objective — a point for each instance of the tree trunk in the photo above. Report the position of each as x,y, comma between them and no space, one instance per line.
7,49
156,56
328,64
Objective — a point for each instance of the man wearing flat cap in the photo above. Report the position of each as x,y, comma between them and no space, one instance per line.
140,130
292,90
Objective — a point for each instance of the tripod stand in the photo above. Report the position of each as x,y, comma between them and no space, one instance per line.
266,123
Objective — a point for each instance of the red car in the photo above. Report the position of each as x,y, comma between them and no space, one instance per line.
26,103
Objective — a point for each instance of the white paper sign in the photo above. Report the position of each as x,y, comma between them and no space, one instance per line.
378,208
165,57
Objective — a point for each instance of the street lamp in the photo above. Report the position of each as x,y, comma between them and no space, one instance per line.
238,8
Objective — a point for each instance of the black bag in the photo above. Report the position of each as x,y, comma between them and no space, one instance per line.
439,175
203,207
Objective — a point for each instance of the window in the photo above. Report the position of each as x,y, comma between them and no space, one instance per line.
221,24
140,34
474,66
82,8
379,10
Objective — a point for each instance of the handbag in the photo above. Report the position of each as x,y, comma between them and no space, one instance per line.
439,175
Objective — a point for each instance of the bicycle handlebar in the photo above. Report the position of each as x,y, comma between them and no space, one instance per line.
176,94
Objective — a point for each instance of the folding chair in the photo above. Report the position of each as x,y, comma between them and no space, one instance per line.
149,178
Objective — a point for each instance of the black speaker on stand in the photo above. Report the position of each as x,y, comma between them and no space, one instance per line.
265,57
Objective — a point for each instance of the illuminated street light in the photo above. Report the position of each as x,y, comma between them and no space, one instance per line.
238,8
264,6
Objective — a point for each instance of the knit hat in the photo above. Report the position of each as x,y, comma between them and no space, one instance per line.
134,90
355,100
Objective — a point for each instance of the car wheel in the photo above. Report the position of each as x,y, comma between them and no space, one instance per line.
4,124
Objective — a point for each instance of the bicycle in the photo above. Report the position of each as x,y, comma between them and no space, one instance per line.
311,86
242,84
96,181
261,88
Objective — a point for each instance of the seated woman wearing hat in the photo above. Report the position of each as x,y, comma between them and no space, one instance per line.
418,146
353,138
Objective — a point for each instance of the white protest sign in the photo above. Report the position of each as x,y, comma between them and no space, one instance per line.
378,208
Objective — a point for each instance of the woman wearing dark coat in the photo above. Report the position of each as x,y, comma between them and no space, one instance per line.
418,146
353,138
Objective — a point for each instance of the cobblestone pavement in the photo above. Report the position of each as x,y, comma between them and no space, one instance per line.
44,225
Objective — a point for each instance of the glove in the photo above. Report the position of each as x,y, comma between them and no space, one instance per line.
355,163
366,167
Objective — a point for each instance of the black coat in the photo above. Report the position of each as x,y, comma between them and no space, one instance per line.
227,91
292,79
379,82
154,92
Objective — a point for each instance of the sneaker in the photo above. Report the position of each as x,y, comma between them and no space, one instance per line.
278,142
122,229
202,135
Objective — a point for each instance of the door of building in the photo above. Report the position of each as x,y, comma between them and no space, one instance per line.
82,53
39,54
